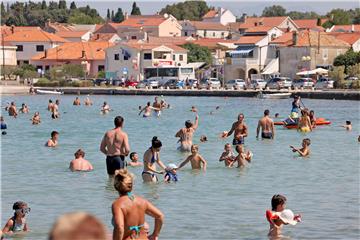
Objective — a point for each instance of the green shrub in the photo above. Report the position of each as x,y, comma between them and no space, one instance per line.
355,84
86,83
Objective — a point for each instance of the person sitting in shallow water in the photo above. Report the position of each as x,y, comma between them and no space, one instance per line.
53,141
17,223
134,157
305,150
79,163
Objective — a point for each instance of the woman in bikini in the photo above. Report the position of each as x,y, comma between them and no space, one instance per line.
305,122
152,156
129,211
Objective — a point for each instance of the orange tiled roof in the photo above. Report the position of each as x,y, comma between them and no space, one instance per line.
211,42
258,21
346,28
7,30
102,37
259,29
149,46
168,40
309,23
249,39
284,39
73,51
210,14
71,34
34,36
350,38
208,25
142,21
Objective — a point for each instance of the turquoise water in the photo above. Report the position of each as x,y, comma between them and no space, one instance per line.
219,204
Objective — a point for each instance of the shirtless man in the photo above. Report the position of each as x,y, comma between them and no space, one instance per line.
50,105
105,108
115,145
186,134
77,102
148,109
12,110
36,118
195,159
157,107
240,129
88,102
267,126
53,141
55,109
24,108
79,163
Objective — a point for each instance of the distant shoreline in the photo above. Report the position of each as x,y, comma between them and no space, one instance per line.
329,94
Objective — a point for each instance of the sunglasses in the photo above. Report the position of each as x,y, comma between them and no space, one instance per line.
23,210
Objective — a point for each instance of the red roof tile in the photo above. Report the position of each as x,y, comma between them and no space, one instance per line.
210,14
350,38
208,26
34,36
71,34
249,39
346,28
142,21
309,23
258,21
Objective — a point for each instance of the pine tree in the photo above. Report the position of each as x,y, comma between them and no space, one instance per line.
135,9
3,12
112,15
43,5
62,4
119,16
73,6
108,17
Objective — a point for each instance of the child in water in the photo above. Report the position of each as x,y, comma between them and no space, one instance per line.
134,157
228,155
279,216
305,150
17,223
243,158
195,158
347,125
171,175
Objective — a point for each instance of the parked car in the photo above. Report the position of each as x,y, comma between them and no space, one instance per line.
203,84
350,78
324,83
214,83
98,81
302,83
131,83
258,84
279,83
172,83
192,83
236,84
148,83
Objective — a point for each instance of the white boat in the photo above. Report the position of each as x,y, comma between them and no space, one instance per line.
39,91
275,95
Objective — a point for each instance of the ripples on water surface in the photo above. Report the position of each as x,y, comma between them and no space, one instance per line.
219,204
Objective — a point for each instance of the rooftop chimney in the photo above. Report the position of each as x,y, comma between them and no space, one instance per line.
295,38
126,16
244,17
12,29
45,54
97,36
82,54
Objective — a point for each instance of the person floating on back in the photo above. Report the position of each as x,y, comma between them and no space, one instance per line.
305,150
53,141
196,160
79,163
17,223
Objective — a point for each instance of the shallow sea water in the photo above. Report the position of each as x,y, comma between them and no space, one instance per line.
219,204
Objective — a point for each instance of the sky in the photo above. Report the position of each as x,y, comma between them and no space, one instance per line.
238,7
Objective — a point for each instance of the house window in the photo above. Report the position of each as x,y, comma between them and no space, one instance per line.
133,37
174,57
47,68
39,48
101,68
18,62
116,56
222,34
181,57
19,48
126,57
325,53
147,56
185,34
213,34
26,62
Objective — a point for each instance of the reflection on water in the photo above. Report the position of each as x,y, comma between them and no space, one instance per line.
220,203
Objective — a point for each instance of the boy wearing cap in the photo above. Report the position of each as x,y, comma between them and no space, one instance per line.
171,173
17,223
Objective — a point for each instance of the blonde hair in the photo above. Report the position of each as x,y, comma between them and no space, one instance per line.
123,181
79,153
78,226
195,146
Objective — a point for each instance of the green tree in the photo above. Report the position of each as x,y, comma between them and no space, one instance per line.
339,17
197,53
73,6
135,9
73,70
302,15
82,18
356,17
112,15
338,75
189,10
43,5
350,58
119,16
274,11
3,13
53,5
62,4
108,17
354,70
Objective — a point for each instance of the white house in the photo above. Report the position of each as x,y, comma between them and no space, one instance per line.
133,59
31,43
75,36
7,54
204,29
221,15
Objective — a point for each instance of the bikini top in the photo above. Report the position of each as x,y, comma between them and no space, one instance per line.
17,227
154,157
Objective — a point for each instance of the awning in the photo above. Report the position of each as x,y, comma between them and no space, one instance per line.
242,51
313,72
272,67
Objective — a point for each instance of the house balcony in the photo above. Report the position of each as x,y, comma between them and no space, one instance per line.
242,61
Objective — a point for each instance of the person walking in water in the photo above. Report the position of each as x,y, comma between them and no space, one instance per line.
115,145
152,156
266,124
157,107
186,134
129,211
304,124
148,109
240,131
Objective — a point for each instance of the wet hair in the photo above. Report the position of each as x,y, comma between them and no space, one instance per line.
53,133
19,205
148,103
132,155
188,124
227,145
195,146
123,181
240,114
276,114
348,122
79,153
50,101
155,142
105,103
312,111
307,141
78,226
238,148
266,112
277,200
118,121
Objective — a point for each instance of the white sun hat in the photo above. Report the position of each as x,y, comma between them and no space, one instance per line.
287,216
172,166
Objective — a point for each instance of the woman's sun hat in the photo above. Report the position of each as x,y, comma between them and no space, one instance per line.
287,216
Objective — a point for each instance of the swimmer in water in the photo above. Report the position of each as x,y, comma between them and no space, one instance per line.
228,155
17,223
277,115
217,108
134,157
24,108
77,102
240,131
105,109
53,141
312,119
305,150
55,109
3,123
195,159
50,105
152,156
148,109
203,138
347,125
304,124
88,102
79,163
157,107
36,118
243,158
186,134
12,110
193,109
266,124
